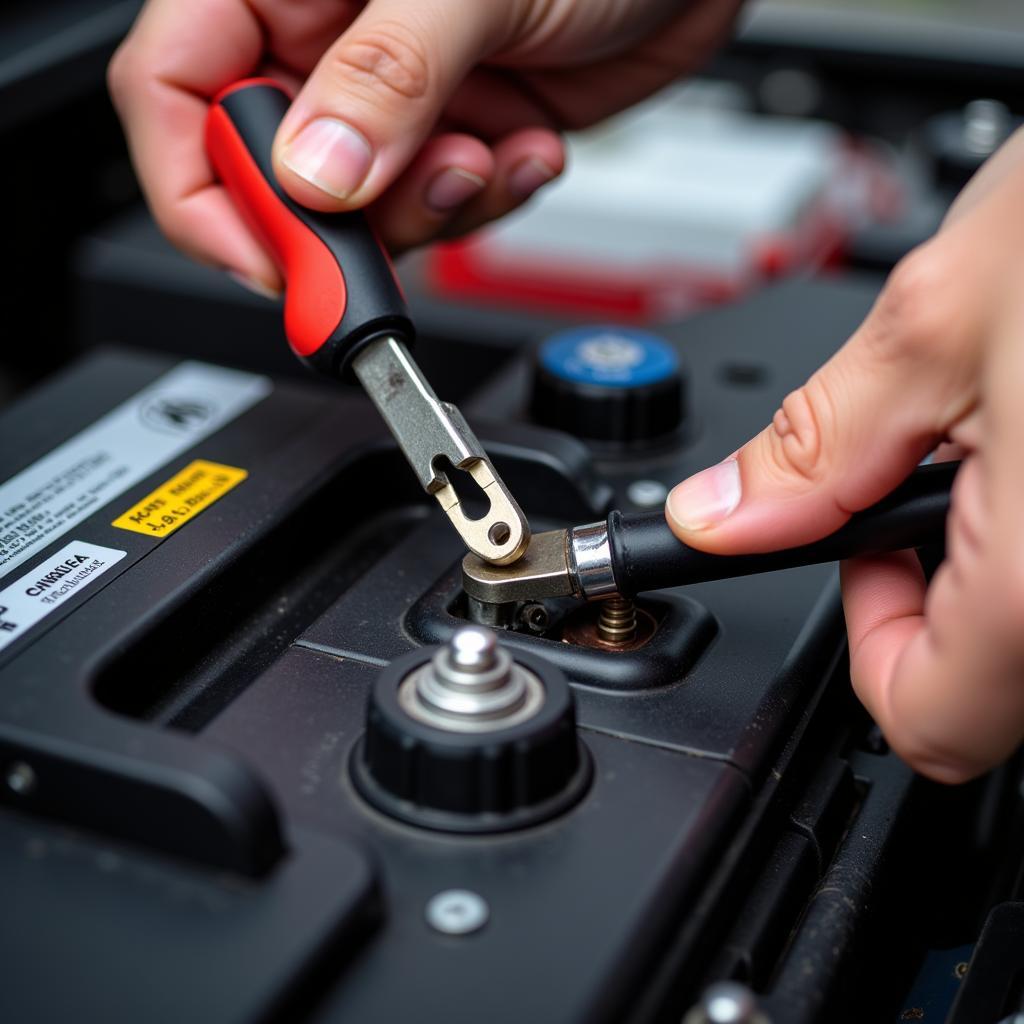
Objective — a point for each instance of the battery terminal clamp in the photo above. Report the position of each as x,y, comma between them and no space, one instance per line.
345,316
629,554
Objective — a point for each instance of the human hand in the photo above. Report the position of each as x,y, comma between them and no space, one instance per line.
940,358
443,114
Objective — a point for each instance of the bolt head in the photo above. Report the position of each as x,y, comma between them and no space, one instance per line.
474,649
457,912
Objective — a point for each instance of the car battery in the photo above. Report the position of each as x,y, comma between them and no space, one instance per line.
205,575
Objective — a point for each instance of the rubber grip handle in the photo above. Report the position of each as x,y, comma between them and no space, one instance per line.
341,291
646,555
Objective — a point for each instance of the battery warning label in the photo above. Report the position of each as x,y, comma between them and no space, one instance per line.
40,591
182,498
184,406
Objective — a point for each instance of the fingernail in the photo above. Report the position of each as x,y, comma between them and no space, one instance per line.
330,155
706,498
527,176
253,285
451,188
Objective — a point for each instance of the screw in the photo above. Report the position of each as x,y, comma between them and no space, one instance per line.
21,779
457,912
534,617
474,650
616,623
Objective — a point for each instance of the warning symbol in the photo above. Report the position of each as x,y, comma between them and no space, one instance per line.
176,415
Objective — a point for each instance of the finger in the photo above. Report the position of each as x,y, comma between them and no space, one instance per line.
859,425
524,162
884,599
943,673
376,95
936,670
174,57
492,104
457,183
449,171
951,451
581,96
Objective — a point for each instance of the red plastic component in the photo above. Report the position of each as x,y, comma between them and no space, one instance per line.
316,296
456,269
465,269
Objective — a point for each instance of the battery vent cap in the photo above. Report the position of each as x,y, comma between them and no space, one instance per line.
607,383
464,739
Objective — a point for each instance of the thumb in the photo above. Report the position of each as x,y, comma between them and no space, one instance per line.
851,434
375,95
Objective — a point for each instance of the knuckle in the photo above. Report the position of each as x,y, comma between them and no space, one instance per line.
915,308
803,430
390,58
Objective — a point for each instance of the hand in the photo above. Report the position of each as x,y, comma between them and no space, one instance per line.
443,114
940,358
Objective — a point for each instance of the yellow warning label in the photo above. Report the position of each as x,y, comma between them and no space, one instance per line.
182,498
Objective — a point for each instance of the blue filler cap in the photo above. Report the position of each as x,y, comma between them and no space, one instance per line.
610,356
619,386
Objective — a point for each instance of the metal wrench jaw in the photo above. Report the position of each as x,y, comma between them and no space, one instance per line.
432,433
503,534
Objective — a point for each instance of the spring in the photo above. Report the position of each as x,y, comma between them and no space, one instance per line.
616,623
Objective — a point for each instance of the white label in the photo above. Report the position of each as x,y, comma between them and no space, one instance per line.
121,448
32,597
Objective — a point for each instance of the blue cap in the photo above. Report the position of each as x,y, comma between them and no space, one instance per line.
609,356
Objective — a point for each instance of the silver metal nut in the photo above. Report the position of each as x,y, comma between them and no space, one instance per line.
457,912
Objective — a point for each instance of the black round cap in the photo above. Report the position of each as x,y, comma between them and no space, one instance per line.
464,781
611,384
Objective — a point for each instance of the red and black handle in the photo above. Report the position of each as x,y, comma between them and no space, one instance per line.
341,292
